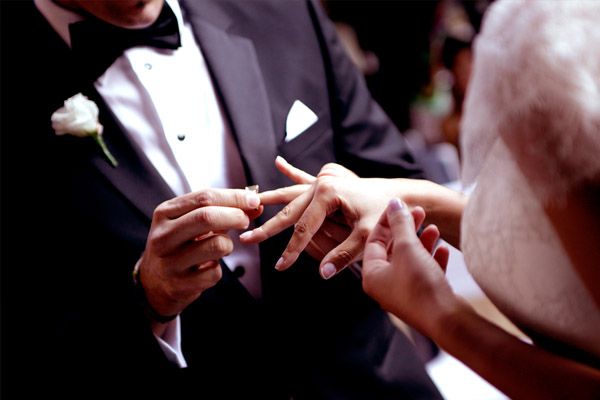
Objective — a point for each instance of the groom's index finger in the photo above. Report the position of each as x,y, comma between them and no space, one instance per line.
181,205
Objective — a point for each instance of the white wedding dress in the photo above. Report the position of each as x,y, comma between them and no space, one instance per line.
535,96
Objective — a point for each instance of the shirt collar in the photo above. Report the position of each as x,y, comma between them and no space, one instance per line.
60,18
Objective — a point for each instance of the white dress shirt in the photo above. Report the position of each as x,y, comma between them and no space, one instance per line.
167,103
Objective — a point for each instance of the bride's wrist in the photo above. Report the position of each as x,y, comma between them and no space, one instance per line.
449,319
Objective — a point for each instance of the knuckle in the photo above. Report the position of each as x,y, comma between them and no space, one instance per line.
239,199
325,186
157,240
220,245
327,169
363,233
161,210
203,217
285,211
345,257
300,228
203,198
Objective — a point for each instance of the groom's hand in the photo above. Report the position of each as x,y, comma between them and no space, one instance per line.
187,238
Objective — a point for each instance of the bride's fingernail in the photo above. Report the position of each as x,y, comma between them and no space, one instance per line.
328,270
279,264
396,205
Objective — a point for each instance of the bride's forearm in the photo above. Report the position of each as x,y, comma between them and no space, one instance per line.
520,370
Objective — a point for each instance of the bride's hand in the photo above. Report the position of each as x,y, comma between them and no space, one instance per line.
332,215
404,273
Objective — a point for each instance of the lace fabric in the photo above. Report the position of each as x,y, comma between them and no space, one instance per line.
517,259
536,84
531,132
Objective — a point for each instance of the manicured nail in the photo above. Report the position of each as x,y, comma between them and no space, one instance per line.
246,235
281,159
398,206
328,270
279,264
253,200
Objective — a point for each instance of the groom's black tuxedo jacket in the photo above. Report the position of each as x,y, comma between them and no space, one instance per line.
73,226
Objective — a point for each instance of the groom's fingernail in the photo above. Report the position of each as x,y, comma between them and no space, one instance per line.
253,200
246,235
252,197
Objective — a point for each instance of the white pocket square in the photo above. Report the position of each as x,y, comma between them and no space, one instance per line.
299,119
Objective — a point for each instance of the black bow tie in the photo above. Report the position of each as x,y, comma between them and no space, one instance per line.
97,44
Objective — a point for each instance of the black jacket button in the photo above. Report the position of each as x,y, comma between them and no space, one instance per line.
239,271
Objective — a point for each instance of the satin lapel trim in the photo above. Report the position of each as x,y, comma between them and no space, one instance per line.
233,64
135,176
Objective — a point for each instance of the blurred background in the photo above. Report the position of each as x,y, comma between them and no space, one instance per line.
416,58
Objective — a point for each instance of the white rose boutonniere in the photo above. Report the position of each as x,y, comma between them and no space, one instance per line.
79,117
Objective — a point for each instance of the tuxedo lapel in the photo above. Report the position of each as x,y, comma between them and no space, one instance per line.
233,64
135,176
